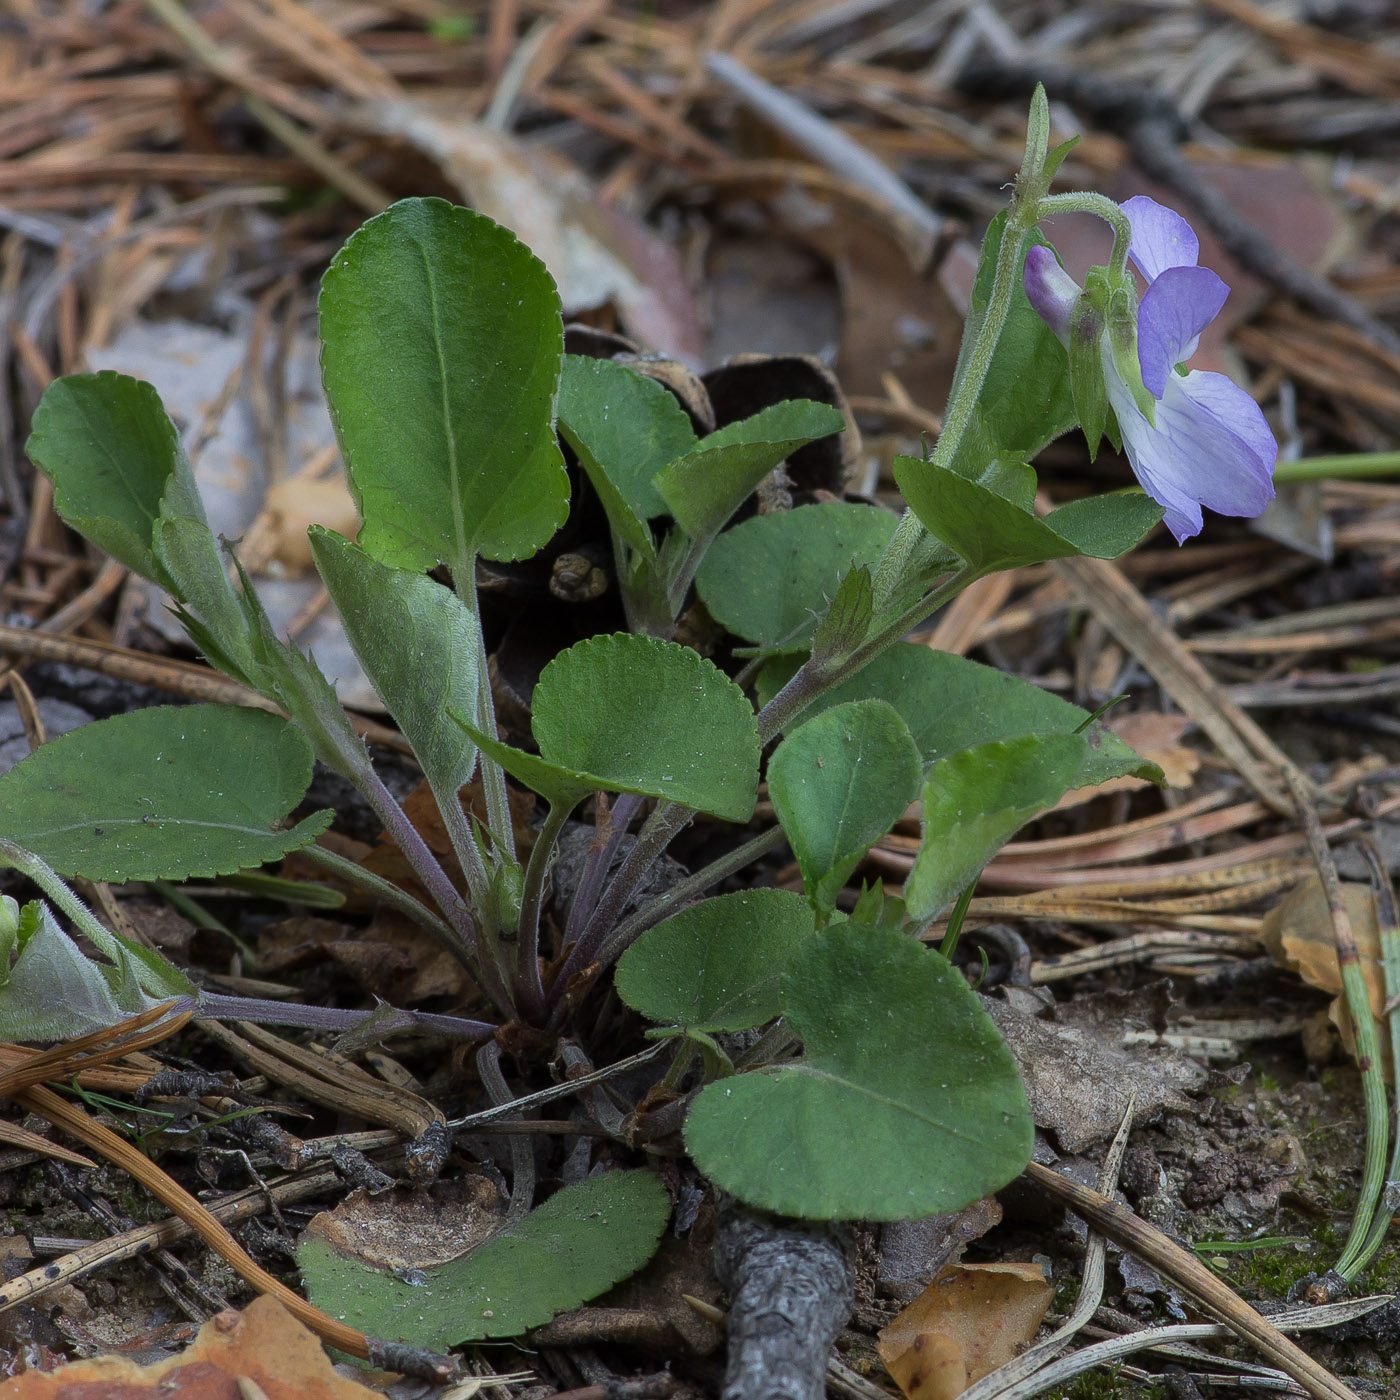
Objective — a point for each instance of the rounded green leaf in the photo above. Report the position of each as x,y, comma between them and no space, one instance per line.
643,715
441,344
162,794
772,577
906,1101
715,966
838,784
583,1240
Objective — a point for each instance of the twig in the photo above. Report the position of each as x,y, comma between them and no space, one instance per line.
792,1290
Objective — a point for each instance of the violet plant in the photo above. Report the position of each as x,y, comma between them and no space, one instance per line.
878,1086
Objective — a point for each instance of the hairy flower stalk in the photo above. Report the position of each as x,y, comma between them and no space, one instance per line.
1194,439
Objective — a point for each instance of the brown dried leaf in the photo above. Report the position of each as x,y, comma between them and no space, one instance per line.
967,1322
1080,1080
264,1344
413,1229
1298,934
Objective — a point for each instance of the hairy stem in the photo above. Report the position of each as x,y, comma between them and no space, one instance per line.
631,928
216,1006
599,862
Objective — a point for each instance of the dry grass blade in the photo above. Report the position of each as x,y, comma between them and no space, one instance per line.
1211,1294
77,1123
1129,616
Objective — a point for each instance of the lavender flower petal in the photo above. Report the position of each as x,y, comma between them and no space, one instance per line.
1210,447
1175,309
1161,237
1050,289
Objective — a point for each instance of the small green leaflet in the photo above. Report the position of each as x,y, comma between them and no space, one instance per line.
705,487
770,578
990,533
975,800
583,1240
715,966
53,992
838,783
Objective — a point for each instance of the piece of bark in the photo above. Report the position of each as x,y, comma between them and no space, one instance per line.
793,1288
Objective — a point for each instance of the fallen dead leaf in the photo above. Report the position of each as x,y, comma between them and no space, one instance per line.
413,1229
264,1345
596,253
1298,935
971,1319
1079,1079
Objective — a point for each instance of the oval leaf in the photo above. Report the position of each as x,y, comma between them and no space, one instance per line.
838,784
990,533
949,703
715,966
643,715
975,800
772,577
112,453
906,1101
162,794
583,1240
441,343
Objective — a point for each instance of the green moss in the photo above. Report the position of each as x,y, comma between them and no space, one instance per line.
1107,1385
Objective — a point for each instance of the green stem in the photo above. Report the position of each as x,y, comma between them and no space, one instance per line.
1389,927
464,847
1087,202
814,678
1350,466
955,921
493,777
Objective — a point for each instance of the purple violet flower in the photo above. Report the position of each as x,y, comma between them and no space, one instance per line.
1209,444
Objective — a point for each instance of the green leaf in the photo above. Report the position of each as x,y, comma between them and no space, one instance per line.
624,427
162,794
975,800
838,784
991,533
442,340
848,619
905,1103
53,992
112,453
715,966
637,714
417,643
950,703
706,486
771,578
1025,400
583,1240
